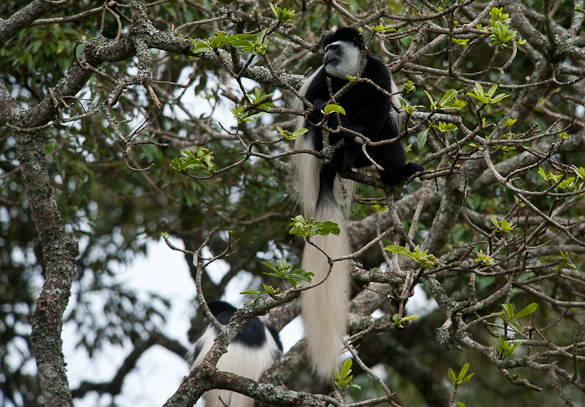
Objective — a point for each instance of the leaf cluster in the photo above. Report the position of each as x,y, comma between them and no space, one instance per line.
254,44
308,228
344,377
203,159
426,260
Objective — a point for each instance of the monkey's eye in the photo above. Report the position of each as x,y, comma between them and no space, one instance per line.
332,47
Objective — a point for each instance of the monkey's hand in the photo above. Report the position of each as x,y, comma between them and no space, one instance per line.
315,115
404,173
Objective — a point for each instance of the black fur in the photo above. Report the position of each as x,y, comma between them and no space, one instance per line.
368,112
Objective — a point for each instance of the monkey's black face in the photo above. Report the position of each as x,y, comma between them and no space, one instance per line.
332,54
342,59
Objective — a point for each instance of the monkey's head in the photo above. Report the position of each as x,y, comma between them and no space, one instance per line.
343,50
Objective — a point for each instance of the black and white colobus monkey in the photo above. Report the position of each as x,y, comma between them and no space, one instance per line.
249,354
368,112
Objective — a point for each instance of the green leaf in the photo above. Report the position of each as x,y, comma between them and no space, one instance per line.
487,98
334,108
497,98
201,47
478,90
270,265
527,310
219,41
252,292
397,321
346,368
461,379
409,87
382,28
423,258
461,41
492,90
421,138
302,275
452,376
282,14
466,379
501,34
203,160
38,43
509,309
446,127
463,371
447,97
484,259
399,250
433,103
510,122
505,349
309,228
344,377
270,289
326,228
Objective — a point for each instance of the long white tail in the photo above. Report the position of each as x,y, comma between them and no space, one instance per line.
307,168
325,308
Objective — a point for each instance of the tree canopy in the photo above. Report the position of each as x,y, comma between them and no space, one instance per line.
126,122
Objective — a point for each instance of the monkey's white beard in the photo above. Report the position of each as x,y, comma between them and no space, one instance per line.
349,64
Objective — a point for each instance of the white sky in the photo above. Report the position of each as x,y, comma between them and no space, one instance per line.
159,371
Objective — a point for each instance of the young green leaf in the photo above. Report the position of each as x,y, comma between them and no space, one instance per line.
421,138
461,378
486,98
506,349
203,160
426,260
527,310
270,265
343,378
399,250
448,97
334,108
201,47
282,14
484,259
397,321
308,228
433,103
251,291
509,309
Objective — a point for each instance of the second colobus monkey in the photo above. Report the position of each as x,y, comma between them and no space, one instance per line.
368,112
250,353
